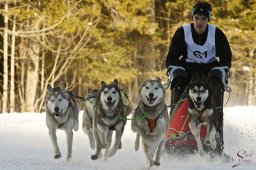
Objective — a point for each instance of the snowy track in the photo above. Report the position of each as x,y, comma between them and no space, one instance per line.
24,144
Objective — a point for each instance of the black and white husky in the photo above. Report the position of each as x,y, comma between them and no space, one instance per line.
150,120
202,111
61,113
110,115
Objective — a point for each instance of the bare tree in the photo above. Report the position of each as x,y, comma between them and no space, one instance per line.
12,89
5,75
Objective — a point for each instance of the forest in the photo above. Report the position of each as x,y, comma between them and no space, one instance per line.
83,42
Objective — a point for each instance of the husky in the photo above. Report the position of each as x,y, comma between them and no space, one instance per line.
150,120
61,113
110,115
202,111
88,115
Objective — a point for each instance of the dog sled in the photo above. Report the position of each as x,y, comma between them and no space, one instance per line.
179,139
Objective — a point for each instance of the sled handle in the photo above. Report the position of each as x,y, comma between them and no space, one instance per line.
223,70
172,68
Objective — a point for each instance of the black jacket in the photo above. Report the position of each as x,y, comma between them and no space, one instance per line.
178,50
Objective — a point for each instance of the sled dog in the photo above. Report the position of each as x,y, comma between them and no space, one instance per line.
61,113
150,120
110,115
88,115
202,111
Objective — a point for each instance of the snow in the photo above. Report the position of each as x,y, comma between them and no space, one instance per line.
25,144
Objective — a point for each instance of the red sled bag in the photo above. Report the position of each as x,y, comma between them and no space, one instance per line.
179,138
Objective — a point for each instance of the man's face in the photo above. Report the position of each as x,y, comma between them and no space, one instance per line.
200,23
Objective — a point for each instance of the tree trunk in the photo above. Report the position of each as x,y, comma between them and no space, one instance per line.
12,90
5,75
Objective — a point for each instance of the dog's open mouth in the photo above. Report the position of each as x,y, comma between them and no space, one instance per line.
198,104
57,114
110,104
151,100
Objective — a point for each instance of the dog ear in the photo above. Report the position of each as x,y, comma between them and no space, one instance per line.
49,88
115,82
103,83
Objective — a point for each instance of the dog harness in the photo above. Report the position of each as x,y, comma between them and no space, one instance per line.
200,53
152,123
201,116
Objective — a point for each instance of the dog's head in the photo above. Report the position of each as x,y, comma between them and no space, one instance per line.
57,100
110,95
152,92
199,91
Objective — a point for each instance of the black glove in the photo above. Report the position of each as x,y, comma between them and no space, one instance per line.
222,74
176,75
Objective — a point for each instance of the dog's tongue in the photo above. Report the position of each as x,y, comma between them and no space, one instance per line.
151,100
110,104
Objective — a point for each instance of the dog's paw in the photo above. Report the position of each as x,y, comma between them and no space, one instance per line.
68,158
57,156
213,143
103,146
157,163
120,145
76,127
137,145
201,153
207,141
94,157
111,152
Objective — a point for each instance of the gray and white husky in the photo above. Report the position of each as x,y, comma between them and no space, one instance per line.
150,120
89,112
202,111
110,115
61,113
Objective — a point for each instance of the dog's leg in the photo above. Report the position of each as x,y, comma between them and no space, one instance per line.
76,116
148,154
103,131
97,141
137,142
91,139
210,136
69,136
109,141
89,133
119,134
211,130
195,130
158,153
53,137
